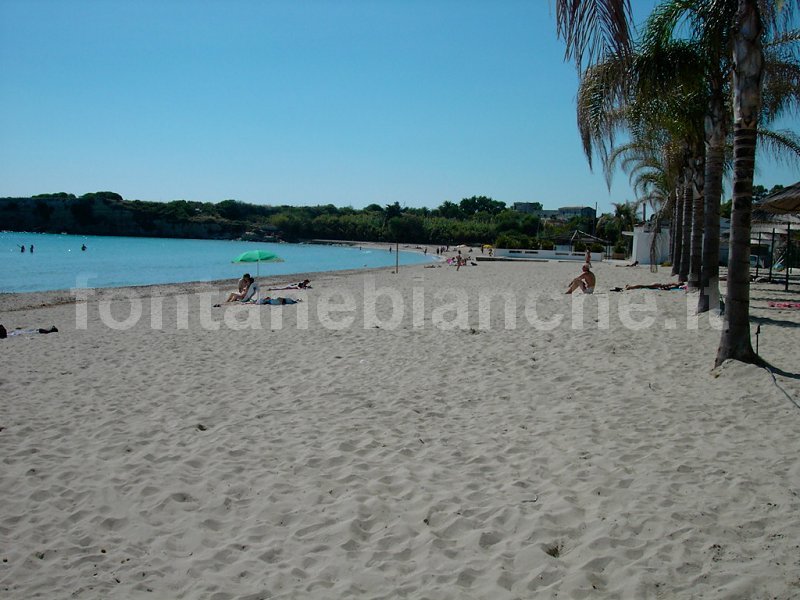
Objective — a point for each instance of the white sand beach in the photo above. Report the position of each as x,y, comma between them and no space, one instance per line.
337,448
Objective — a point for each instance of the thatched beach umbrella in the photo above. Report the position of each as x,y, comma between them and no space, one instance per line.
784,201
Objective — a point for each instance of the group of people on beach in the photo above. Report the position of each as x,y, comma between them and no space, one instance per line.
248,288
587,280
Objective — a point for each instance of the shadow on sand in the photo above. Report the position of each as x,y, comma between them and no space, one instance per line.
775,322
782,373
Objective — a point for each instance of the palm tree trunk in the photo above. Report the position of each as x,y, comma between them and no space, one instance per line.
709,274
696,249
686,229
677,238
715,148
748,58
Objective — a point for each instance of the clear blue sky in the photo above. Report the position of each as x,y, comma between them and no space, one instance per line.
299,102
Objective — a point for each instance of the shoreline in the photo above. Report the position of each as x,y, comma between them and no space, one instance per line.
15,301
244,266
67,296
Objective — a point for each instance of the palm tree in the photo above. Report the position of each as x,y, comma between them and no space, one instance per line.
624,215
677,229
660,107
654,177
596,26
708,25
711,32
747,74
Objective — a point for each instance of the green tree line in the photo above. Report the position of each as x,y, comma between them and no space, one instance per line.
474,220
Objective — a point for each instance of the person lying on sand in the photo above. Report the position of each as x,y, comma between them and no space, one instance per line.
269,300
657,286
15,332
585,281
278,300
633,264
300,285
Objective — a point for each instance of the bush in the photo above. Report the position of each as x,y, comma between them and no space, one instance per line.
513,240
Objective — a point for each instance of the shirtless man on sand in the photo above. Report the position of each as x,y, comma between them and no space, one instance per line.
586,281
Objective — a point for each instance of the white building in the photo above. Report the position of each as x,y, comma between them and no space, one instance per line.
643,236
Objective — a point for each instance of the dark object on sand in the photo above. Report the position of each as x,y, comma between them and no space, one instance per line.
4,333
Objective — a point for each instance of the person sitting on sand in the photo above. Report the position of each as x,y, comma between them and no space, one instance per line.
585,281
249,291
244,283
656,286
14,332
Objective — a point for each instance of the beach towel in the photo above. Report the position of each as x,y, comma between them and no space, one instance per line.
784,304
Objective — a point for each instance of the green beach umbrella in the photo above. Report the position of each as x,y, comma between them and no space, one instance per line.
257,256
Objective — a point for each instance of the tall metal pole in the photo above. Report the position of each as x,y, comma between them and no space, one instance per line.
396,257
758,256
771,255
787,255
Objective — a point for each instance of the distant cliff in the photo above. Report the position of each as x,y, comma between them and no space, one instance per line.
107,213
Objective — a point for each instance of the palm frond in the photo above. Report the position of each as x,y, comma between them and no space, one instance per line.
783,146
593,29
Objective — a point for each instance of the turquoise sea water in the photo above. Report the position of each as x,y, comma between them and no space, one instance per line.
58,263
